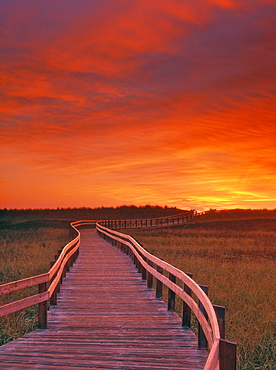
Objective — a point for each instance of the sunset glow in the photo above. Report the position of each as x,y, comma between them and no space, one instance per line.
139,102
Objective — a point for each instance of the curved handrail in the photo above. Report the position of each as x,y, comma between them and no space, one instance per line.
179,218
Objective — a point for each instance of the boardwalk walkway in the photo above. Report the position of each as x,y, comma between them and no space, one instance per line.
106,318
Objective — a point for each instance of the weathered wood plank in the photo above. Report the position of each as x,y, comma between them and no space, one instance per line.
106,318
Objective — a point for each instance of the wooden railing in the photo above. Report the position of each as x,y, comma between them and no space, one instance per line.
177,219
211,318
48,283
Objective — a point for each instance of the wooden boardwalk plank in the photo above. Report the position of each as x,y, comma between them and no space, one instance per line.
106,318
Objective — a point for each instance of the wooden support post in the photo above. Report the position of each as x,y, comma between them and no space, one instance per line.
149,275
53,298
171,294
67,266
71,261
74,257
202,341
159,284
42,308
186,310
227,355
139,266
58,287
63,275
220,312
144,271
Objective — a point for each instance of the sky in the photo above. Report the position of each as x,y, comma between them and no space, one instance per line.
135,102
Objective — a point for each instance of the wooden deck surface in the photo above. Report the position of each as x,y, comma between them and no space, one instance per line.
106,318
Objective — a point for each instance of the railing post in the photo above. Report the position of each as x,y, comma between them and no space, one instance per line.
144,271
186,310
149,275
159,284
220,312
171,294
68,265
63,274
227,355
202,341
42,308
138,265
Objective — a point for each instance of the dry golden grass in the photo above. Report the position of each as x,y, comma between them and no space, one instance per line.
24,252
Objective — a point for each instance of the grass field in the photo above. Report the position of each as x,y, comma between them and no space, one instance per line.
26,249
234,253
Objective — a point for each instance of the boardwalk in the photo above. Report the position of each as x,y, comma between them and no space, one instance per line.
106,318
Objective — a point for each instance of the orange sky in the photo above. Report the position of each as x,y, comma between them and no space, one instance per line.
115,102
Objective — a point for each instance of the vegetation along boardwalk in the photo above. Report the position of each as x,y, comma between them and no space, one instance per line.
106,318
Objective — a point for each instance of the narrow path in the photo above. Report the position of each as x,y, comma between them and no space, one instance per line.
106,318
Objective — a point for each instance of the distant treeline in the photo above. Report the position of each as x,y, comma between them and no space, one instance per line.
60,217
239,214
8,216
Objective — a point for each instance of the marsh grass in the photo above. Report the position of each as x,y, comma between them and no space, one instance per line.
238,264
26,250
